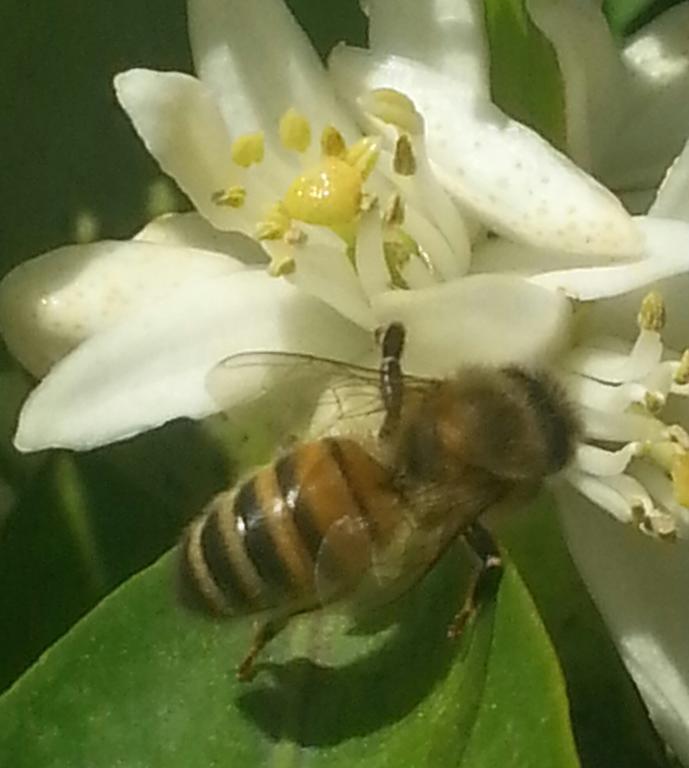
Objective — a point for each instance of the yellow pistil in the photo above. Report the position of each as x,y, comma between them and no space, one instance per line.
651,316
232,197
396,109
248,149
274,225
295,131
327,195
363,155
680,478
404,161
333,143
681,376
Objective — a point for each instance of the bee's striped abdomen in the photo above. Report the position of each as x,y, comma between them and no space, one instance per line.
260,546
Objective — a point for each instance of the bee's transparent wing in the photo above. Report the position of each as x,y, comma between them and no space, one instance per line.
350,567
344,559
298,387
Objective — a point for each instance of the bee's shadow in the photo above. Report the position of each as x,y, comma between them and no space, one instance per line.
319,706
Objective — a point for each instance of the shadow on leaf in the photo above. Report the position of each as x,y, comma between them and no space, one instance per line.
319,705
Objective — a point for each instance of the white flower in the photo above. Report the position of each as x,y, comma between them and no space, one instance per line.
627,108
448,216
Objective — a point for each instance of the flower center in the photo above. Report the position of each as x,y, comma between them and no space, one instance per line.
337,185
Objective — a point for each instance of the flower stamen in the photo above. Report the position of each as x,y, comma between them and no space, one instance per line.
651,315
333,143
248,149
681,376
295,131
404,162
393,108
232,197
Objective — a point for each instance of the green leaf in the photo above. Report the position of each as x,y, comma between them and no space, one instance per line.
140,682
524,73
611,725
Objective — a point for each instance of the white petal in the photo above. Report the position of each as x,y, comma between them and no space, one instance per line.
492,319
497,254
666,254
328,274
447,35
152,366
50,304
672,201
640,587
258,63
505,173
180,123
193,231
591,71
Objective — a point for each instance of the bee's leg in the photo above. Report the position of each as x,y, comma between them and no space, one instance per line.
484,578
265,632
391,384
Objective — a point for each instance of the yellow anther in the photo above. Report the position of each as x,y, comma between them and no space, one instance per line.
654,402
680,478
275,224
295,131
681,376
363,155
233,197
394,108
393,215
399,248
281,264
651,315
404,161
333,143
248,149
327,195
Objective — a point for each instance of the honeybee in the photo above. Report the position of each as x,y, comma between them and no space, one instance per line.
350,518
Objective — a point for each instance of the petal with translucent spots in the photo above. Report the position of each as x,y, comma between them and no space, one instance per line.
192,230
672,200
504,172
492,319
152,366
180,123
591,69
50,304
447,35
666,254
258,63
640,587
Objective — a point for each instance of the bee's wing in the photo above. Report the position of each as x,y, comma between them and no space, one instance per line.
351,568
298,383
426,525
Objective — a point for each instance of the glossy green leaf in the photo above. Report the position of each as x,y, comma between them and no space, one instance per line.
524,73
139,682
611,725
